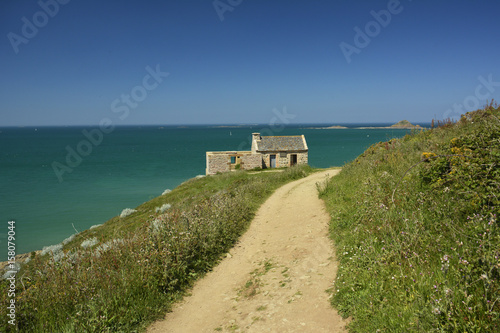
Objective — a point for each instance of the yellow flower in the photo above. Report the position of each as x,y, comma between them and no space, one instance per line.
426,156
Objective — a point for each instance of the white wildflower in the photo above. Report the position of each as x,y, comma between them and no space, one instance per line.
126,212
101,249
11,271
89,242
163,208
166,191
156,225
52,249
69,239
58,256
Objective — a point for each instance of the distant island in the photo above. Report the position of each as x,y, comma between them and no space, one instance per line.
329,127
403,124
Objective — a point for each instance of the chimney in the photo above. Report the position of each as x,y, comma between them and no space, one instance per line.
255,138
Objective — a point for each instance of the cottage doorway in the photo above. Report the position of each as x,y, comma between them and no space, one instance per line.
293,159
273,161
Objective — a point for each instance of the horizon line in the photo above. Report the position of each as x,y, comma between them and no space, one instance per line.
214,124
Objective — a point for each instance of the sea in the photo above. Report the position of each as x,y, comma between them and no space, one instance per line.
56,181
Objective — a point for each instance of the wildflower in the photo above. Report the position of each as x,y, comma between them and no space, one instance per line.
426,156
53,249
89,242
436,311
69,239
163,208
126,212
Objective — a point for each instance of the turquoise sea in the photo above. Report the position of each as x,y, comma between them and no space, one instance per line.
125,168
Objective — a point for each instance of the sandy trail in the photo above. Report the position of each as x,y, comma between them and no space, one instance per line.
274,279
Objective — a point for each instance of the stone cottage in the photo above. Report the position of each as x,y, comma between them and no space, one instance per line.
267,152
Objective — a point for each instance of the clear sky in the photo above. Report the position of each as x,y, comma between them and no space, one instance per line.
235,61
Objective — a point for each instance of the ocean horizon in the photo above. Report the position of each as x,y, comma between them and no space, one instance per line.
59,180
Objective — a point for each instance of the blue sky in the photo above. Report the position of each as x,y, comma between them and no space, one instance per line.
91,60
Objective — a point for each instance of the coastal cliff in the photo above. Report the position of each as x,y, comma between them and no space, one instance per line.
415,223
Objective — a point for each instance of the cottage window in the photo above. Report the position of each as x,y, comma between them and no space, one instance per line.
233,159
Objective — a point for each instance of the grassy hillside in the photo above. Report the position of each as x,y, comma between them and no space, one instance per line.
415,222
122,275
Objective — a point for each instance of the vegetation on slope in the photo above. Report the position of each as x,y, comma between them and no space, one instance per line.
122,275
415,222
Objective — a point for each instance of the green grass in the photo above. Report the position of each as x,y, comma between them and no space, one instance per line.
141,263
415,224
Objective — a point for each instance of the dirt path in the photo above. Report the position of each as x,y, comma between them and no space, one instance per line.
274,279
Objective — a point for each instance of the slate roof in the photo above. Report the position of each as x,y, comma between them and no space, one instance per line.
281,143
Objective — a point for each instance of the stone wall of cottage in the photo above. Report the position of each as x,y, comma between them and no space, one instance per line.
302,158
284,159
251,161
217,163
221,161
